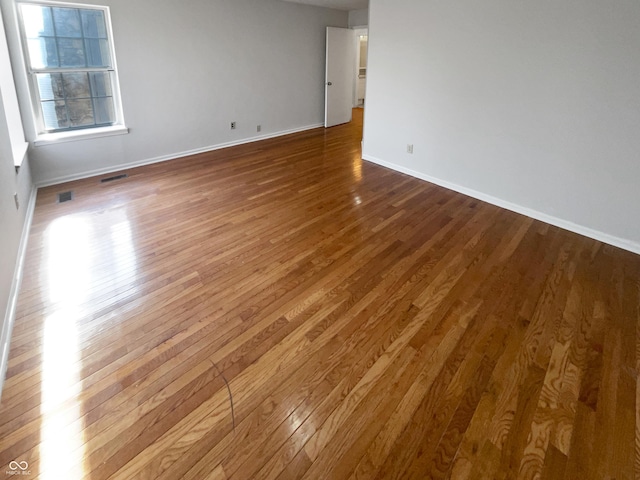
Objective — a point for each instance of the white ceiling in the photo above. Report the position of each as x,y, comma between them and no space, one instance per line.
339,4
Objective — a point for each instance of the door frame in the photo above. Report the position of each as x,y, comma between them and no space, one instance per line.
359,31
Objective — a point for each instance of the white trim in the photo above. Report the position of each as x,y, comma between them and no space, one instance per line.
10,314
43,138
62,3
75,135
172,156
10,103
535,214
19,153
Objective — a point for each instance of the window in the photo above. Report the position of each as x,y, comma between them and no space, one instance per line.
12,142
71,67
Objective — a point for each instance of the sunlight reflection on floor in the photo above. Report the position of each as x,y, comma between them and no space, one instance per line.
69,272
61,431
75,247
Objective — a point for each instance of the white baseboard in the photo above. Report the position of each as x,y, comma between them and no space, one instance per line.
10,314
173,156
543,217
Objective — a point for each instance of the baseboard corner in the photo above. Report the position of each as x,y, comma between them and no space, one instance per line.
585,231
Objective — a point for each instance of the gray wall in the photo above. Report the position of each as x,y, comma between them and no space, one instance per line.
531,105
187,69
12,220
12,225
359,18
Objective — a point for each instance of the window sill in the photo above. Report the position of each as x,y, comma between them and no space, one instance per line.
19,152
75,135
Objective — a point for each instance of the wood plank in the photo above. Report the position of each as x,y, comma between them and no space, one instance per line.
367,325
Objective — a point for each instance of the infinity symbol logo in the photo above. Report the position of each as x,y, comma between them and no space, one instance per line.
18,465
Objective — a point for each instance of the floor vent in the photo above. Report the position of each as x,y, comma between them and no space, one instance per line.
111,179
65,197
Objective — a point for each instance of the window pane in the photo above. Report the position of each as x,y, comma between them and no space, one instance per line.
100,84
76,85
50,86
71,52
43,52
70,41
93,23
104,110
67,22
80,112
37,21
55,115
97,53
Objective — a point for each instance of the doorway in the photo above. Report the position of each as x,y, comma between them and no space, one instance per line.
360,80
346,73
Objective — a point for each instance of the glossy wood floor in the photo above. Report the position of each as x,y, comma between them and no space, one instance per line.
369,326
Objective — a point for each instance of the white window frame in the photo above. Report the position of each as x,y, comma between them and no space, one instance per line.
17,146
43,137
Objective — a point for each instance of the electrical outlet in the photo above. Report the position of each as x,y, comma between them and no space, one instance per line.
410,148
259,128
17,200
233,125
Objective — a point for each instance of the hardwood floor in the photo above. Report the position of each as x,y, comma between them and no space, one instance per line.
369,326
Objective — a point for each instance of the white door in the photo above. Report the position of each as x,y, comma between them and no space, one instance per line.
341,58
